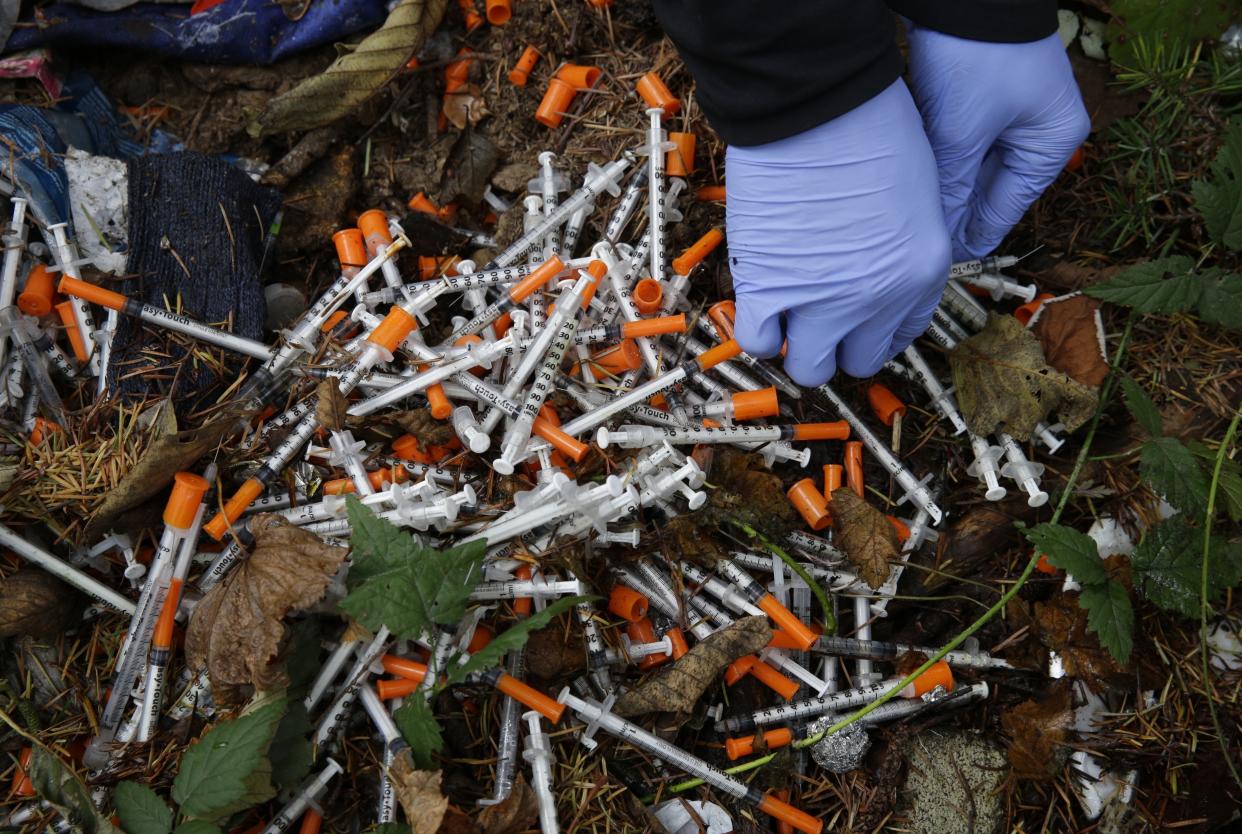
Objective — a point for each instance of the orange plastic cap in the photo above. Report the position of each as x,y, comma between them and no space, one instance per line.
710,194
243,498
1027,311
581,77
405,447
736,748
404,667
752,405
884,404
523,605
647,296
555,103
899,526
312,822
92,293
21,784
641,631
621,357
783,640
739,668
441,405
42,429
838,430
774,680
720,353
853,466
389,688
697,251
678,640
787,621
351,248
834,476
374,227
566,444
549,708
480,639
534,282
1045,567
1076,160
786,813
653,91
723,314
333,320
810,503
627,603
520,74
187,494
36,298
392,329
420,202
938,675
162,637
65,310
679,162
498,12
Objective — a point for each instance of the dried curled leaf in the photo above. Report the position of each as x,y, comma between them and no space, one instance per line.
163,459
1004,383
468,168
237,629
465,106
357,75
332,405
427,430
679,688
1072,337
868,539
37,604
750,492
1037,730
1062,627
419,793
518,812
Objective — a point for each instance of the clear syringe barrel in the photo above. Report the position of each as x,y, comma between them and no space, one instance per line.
14,240
14,326
656,146
306,795
482,354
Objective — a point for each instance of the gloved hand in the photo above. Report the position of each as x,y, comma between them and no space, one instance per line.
838,231
1003,119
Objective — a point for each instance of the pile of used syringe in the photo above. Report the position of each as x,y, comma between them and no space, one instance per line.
613,331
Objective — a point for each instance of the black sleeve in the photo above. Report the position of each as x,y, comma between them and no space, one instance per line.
998,21
767,72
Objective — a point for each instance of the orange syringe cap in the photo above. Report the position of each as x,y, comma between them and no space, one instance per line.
184,500
782,639
374,227
697,251
421,203
810,504
404,667
900,528
627,603
351,248
1028,310
233,508
480,639
534,282
653,91
523,605
723,314
710,194
678,640
21,786
722,352
520,74
787,621
36,298
579,76
884,404
566,444
754,405
784,812
438,402
938,675
620,358
739,668
736,748
657,326
392,329
647,296
836,430
679,161
498,12
545,705
473,19
555,104
91,292
774,680
834,476
854,467
389,688
65,310
332,321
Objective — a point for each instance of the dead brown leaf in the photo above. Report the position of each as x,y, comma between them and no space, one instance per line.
465,107
974,538
237,628
419,793
1062,627
679,688
750,491
469,167
330,410
1037,733
1072,337
868,539
686,536
457,821
37,604
1005,384
518,812
164,458
427,430
551,656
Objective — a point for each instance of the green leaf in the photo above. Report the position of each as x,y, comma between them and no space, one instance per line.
1171,470
303,662
1161,286
197,827
1166,566
1219,200
420,730
141,810
228,769
291,752
1070,551
56,782
395,582
1229,490
1221,302
1110,616
1141,406
512,638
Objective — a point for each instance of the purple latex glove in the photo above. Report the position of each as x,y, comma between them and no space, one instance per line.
838,231
1003,119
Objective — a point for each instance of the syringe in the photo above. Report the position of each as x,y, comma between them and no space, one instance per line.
882,650
307,795
598,716
14,246
993,263
21,331
638,437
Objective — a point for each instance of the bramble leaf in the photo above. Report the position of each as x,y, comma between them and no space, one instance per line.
1069,550
228,769
141,810
511,638
395,582
1165,285
55,782
1219,200
1110,616
420,730
1229,490
1221,301
1141,406
1171,470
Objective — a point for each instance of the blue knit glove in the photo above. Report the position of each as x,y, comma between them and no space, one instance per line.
1003,119
836,240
